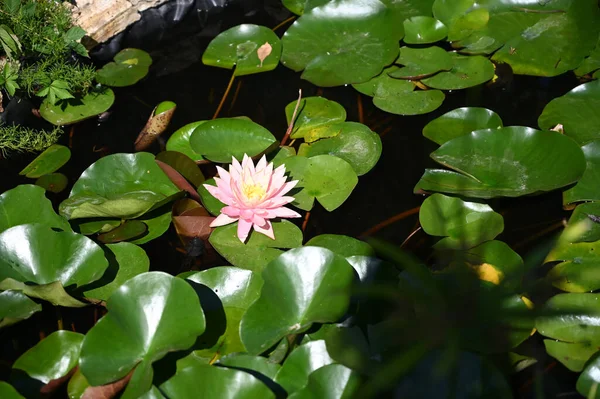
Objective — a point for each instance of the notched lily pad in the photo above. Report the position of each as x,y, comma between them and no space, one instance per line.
467,71
421,62
129,66
16,306
47,162
460,122
314,118
75,110
424,30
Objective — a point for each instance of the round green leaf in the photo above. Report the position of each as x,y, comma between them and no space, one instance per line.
537,161
465,24
128,230
129,66
148,316
588,381
330,382
464,224
220,139
295,6
72,111
35,253
119,185
259,250
328,38
578,267
54,182
27,203
182,164
51,358
586,188
327,178
180,141
303,360
572,356
383,85
205,381
243,361
16,306
460,122
47,162
301,287
355,144
211,204
571,318
157,221
583,221
591,63
342,245
348,346
8,392
576,111
423,30
411,103
242,47
314,118
421,62
467,71
126,261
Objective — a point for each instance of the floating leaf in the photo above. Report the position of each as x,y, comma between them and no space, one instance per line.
158,222
286,307
347,346
467,71
259,250
463,224
460,122
591,63
383,85
180,141
586,188
328,38
587,383
182,164
295,6
76,110
25,204
421,62
576,111
157,123
220,139
411,103
573,356
578,267
148,316
423,30
16,306
129,66
250,363
583,222
8,392
239,47
342,245
303,360
119,185
131,229
48,161
330,382
54,182
314,118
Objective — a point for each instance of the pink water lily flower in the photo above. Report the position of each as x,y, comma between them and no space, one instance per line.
253,195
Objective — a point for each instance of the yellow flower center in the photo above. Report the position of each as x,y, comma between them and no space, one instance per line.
253,192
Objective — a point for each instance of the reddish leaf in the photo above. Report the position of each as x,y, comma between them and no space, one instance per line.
178,179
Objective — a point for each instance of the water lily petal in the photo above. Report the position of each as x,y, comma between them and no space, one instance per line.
283,212
231,211
276,202
222,220
218,194
261,164
266,229
243,229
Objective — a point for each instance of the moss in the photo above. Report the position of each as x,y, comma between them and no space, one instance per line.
15,138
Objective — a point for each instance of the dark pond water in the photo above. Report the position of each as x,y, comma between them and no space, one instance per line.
176,36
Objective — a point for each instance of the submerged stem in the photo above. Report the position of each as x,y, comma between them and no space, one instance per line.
225,95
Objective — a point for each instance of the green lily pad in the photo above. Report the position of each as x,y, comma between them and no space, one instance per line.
8,392
259,250
71,111
129,66
460,122
327,178
157,221
16,306
54,182
539,161
295,6
182,164
286,307
212,205
581,222
342,245
48,161
53,357
330,382
419,63
303,360
25,204
314,118
127,231
586,188
591,63
205,381
328,38
576,111
243,361
347,346
411,103
242,47
572,317
119,185
467,71
126,261
587,383
383,85
466,24
220,139
578,267
90,226
463,224
180,141
148,316
572,356
355,144
424,30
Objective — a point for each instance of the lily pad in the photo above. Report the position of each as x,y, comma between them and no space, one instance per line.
54,182
576,111
240,47
295,6
463,224
584,223
342,245
47,162
411,103
129,66
467,71
119,185
8,392
460,122
148,316
68,112
180,141
129,230
25,204
586,188
303,360
587,383
16,306
182,164
250,363
259,250
383,85
578,267
328,38
591,63
355,144
314,118
537,161
220,139
286,307
419,63
573,356
424,30
330,382
158,222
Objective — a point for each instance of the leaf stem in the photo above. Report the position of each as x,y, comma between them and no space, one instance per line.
293,17
392,220
225,94
291,125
